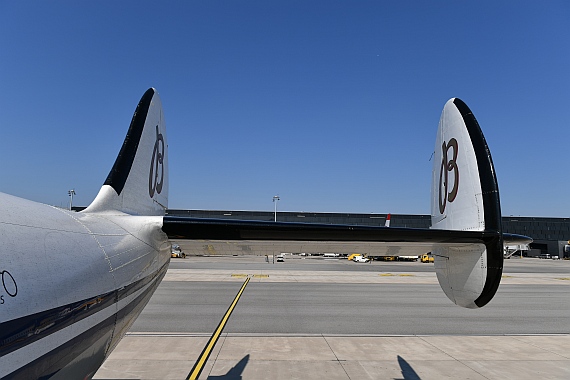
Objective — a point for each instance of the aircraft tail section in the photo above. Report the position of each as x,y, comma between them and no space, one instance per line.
138,181
465,197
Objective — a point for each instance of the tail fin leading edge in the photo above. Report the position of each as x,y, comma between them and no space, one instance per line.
138,181
465,196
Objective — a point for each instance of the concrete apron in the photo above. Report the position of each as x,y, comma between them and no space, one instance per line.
244,356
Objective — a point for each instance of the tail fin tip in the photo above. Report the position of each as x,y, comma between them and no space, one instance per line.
138,182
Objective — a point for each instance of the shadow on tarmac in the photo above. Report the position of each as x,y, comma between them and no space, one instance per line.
235,372
408,372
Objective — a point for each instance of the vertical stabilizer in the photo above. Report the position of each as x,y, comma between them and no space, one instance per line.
465,197
138,181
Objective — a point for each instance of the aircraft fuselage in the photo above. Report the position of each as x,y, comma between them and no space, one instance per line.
76,278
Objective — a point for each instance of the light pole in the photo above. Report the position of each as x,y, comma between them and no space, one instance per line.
71,194
275,199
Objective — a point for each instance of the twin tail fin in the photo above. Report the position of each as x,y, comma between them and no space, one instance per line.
465,197
138,181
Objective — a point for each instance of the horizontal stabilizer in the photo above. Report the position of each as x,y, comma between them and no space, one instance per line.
230,229
238,237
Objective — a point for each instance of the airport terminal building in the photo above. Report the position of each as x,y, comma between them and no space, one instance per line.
551,235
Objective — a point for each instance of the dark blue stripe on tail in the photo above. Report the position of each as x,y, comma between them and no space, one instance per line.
491,204
122,167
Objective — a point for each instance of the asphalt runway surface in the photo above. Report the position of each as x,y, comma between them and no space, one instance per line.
315,318
393,309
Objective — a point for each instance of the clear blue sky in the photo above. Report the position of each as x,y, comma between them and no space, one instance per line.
333,105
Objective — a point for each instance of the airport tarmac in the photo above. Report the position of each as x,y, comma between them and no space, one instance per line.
314,319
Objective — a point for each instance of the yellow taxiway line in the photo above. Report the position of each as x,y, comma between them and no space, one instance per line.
199,365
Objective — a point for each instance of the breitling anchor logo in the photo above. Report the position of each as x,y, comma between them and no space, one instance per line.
9,286
156,175
447,166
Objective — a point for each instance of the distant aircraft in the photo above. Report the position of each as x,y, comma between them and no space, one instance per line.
74,283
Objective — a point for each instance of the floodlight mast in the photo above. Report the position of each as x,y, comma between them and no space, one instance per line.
71,193
275,199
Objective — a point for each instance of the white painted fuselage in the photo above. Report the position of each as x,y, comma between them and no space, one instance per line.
71,279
